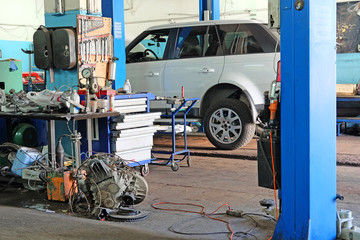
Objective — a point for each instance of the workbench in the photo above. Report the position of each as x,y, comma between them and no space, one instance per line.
351,101
51,118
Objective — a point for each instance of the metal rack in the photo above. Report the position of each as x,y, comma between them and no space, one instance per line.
177,105
132,131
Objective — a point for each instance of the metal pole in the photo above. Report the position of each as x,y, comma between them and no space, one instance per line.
51,142
75,138
30,80
89,135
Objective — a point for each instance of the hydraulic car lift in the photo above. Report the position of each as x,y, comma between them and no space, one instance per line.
308,166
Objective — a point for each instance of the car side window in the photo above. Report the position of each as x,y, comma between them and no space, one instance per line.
239,39
149,48
195,42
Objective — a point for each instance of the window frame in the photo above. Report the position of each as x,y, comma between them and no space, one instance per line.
262,35
143,35
171,55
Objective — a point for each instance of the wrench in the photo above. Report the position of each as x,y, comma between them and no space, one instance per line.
85,20
102,49
88,51
106,48
96,49
82,54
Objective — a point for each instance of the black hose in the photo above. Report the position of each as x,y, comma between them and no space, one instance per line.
8,184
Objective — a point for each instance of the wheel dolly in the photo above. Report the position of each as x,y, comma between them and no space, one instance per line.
177,104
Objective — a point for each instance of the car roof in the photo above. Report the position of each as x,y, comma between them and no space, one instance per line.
202,23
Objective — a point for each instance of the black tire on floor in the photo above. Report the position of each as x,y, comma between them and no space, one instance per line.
228,124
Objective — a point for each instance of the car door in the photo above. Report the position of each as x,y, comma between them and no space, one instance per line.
250,55
197,62
145,63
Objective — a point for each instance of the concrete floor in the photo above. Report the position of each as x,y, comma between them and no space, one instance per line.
210,181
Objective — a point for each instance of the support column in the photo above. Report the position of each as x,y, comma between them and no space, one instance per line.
213,6
115,9
308,120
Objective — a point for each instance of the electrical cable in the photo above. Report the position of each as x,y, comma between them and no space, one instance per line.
202,212
236,234
239,234
68,127
273,168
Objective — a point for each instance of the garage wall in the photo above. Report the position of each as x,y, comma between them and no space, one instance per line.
19,19
140,14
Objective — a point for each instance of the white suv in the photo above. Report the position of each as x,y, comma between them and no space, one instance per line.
227,64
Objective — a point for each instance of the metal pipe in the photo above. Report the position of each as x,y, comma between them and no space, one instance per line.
75,138
206,15
60,6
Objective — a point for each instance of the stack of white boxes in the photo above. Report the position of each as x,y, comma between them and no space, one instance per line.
132,131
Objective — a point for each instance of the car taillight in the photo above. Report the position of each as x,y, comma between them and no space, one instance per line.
278,76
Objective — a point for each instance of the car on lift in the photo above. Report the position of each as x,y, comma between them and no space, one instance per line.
228,64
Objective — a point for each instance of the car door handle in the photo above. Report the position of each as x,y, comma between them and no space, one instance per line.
208,70
152,74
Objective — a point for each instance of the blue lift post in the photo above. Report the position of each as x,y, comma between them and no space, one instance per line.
115,9
213,6
308,120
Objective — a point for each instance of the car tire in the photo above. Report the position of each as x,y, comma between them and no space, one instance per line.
228,124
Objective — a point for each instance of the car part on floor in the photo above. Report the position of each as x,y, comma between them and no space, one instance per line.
123,214
112,189
228,124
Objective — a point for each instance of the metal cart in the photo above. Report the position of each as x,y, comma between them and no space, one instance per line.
351,103
177,105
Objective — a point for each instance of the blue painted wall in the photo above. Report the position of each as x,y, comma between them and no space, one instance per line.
65,20
12,49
